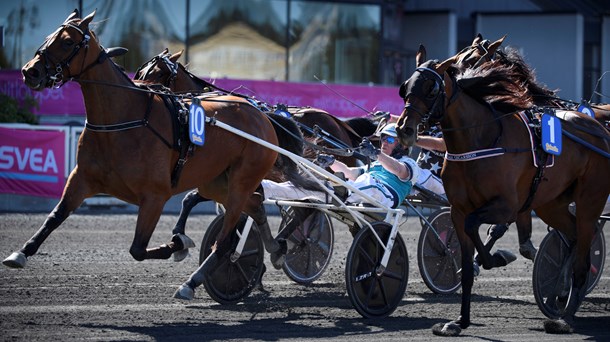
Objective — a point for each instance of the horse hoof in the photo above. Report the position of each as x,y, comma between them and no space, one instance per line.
186,241
528,250
557,326
181,255
506,256
184,292
278,257
15,260
447,329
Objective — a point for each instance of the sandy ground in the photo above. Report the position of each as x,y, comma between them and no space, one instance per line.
84,285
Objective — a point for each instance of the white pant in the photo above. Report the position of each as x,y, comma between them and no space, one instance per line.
365,183
430,182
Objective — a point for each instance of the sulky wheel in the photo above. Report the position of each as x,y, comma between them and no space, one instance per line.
229,281
552,274
373,294
439,256
310,243
598,257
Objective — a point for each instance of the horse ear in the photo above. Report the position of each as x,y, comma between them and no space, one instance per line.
477,39
420,58
441,68
72,15
495,45
174,57
87,20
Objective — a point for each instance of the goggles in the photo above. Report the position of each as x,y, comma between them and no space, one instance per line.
390,140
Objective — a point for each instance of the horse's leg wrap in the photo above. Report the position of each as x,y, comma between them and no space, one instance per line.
188,203
186,291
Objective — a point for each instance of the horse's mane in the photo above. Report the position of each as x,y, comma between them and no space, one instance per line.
500,85
541,95
114,64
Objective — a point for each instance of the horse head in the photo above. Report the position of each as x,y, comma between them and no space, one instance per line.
161,69
424,97
64,55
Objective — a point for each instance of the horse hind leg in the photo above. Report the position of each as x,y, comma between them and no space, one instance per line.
524,230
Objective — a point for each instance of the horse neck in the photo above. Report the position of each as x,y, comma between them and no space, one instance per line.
109,95
184,83
468,126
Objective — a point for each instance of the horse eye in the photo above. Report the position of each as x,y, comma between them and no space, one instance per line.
68,43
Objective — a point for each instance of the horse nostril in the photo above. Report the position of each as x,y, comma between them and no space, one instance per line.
31,73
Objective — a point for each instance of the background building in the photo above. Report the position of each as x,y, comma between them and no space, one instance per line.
341,41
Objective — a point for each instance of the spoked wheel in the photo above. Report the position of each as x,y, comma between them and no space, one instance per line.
310,244
230,281
598,257
371,293
552,274
439,256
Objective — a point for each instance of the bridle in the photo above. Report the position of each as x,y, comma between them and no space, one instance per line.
55,73
435,99
163,58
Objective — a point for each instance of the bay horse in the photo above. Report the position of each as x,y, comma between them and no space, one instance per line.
135,147
478,112
166,70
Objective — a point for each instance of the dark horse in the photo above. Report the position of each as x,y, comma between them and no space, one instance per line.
131,147
165,69
477,110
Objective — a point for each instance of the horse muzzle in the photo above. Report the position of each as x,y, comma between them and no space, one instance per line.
35,75
406,135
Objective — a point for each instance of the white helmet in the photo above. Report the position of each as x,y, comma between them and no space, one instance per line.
389,129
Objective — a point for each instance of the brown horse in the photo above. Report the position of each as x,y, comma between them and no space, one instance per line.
164,69
477,110
134,146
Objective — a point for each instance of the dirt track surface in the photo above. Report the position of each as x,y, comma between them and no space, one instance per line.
84,285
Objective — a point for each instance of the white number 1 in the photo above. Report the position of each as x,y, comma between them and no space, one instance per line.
551,123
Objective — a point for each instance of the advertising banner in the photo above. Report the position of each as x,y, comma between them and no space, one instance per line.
66,100
343,101
32,162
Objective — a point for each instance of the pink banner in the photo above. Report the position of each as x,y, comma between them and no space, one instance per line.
65,100
32,162
69,99
333,100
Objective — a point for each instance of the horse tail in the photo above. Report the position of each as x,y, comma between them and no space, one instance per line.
290,138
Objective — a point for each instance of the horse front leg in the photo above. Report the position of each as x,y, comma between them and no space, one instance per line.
148,217
75,192
454,328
